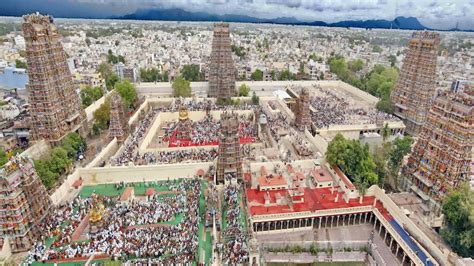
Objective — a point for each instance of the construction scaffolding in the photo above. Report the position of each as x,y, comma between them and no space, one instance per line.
302,112
416,84
24,203
118,127
229,158
442,156
54,103
221,69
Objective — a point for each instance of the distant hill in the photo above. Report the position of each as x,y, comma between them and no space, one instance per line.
176,14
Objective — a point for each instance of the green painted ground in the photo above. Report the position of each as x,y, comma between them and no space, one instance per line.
109,190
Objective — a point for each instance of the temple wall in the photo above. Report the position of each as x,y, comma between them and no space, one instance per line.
116,174
105,153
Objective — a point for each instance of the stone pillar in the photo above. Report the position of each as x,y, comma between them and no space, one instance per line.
380,229
337,220
320,218
332,220
375,201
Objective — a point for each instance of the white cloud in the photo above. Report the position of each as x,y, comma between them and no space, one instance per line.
429,11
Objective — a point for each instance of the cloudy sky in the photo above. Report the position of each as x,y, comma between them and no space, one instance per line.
432,13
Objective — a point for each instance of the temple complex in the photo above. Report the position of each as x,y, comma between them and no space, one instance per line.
303,114
221,68
24,203
54,103
443,154
229,161
417,80
118,127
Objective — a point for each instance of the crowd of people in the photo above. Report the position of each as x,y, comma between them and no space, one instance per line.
176,156
331,109
235,247
131,144
207,131
129,231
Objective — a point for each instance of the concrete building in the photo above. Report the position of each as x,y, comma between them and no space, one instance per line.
54,103
417,82
443,154
221,69
24,203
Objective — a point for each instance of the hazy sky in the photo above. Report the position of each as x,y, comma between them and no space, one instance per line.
432,13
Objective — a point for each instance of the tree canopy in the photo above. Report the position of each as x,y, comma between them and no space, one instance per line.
127,91
255,99
150,74
287,75
244,90
378,82
90,95
110,77
191,73
181,87
101,117
257,75
113,59
3,157
458,210
20,64
354,160
51,167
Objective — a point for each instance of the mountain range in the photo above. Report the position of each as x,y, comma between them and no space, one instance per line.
176,14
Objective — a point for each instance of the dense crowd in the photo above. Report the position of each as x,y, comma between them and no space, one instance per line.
130,232
194,105
131,145
207,130
235,246
176,156
331,109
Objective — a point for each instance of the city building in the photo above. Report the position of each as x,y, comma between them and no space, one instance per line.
24,203
54,103
126,73
302,114
221,69
416,84
118,127
443,154
229,160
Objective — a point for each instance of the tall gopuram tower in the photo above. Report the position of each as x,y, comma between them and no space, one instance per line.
443,154
118,127
24,203
221,68
54,103
302,112
229,158
416,84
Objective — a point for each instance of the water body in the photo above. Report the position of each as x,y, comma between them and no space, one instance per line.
11,78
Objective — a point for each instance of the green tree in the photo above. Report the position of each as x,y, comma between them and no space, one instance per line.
127,91
238,50
90,95
110,77
244,90
113,59
48,177
287,75
255,99
377,49
181,87
102,117
3,157
458,210
150,75
257,75
354,160
401,147
273,74
20,64
356,65
393,60
192,73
